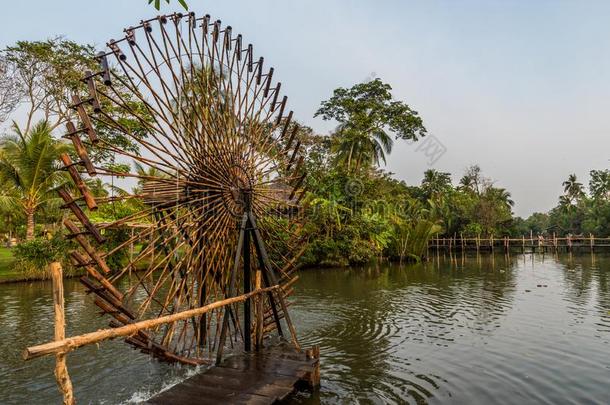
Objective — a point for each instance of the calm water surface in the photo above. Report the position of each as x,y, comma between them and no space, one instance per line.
524,329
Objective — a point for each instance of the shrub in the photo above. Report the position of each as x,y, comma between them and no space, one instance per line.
34,257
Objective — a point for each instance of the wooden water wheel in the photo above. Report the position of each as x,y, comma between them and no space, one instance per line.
216,185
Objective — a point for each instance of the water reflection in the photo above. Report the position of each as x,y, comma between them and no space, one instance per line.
486,329
461,330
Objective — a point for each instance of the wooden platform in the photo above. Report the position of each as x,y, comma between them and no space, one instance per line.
251,378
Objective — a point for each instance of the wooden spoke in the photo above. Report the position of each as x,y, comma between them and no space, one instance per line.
213,149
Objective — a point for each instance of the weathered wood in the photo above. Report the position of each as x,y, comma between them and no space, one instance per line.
61,370
89,200
260,312
80,238
74,342
80,148
82,261
77,104
80,215
263,377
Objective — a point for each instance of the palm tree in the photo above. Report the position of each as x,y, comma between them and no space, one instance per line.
356,149
572,188
435,182
472,179
502,196
29,170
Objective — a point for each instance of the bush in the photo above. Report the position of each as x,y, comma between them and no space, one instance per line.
34,257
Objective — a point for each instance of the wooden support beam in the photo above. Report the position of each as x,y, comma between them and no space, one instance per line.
86,245
80,148
80,215
65,345
89,200
78,105
61,370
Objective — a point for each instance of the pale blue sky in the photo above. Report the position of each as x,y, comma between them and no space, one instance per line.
520,87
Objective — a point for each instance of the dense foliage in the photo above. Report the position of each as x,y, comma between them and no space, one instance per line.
354,210
579,211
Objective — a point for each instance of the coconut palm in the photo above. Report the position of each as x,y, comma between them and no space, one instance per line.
29,170
357,149
435,183
573,188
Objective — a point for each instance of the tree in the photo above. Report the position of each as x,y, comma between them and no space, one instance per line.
367,115
599,184
472,180
355,149
11,90
48,73
29,170
435,183
573,189
157,3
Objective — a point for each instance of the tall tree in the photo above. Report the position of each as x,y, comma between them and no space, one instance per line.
435,183
29,170
472,179
367,117
573,188
599,184
47,74
11,90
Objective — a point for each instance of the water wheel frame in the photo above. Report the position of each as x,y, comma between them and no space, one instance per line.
218,194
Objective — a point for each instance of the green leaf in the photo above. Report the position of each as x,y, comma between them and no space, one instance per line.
183,4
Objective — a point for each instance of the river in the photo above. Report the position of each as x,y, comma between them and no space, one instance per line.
461,330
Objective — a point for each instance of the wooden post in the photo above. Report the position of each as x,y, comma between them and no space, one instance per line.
523,244
591,241
569,242
313,378
61,370
491,242
259,308
478,243
247,289
555,242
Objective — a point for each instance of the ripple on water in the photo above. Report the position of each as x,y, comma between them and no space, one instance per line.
453,331
475,335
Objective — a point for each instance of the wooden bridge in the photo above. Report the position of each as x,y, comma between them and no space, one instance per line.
531,244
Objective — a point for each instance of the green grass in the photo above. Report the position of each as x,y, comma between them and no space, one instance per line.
7,270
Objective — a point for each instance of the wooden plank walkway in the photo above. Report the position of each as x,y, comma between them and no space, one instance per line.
265,377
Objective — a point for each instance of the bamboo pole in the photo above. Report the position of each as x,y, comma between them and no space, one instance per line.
259,308
61,370
65,345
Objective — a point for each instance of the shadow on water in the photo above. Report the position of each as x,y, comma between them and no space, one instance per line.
486,329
